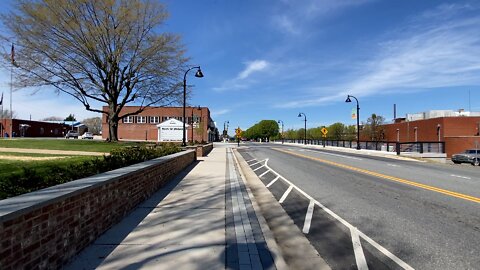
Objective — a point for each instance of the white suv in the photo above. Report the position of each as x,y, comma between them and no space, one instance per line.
87,135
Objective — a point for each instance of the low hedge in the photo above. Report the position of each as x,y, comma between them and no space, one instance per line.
29,179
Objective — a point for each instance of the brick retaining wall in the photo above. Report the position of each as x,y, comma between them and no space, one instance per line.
46,228
202,150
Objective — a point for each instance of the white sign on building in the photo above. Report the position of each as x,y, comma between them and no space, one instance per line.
171,131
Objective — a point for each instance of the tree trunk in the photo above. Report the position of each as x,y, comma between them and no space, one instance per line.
112,127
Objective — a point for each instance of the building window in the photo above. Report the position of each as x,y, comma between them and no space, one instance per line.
165,118
141,119
154,119
128,119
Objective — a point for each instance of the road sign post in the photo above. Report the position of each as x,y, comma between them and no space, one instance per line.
324,135
238,134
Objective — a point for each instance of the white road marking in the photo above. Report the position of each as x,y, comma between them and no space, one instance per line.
459,176
259,168
266,160
284,197
308,218
383,250
392,165
331,154
263,173
272,182
250,160
358,250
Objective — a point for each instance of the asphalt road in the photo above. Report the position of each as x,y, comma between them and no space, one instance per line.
375,212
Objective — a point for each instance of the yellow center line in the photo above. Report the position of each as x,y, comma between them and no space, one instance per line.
384,176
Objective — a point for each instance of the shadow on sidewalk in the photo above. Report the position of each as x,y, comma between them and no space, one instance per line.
95,254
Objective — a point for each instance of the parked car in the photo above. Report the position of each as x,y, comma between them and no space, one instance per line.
87,135
471,156
71,134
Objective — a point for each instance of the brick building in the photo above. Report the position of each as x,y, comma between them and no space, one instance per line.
458,129
28,128
143,126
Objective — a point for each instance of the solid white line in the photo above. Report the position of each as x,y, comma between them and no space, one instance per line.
263,173
259,168
358,250
331,154
459,176
383,250
308,218
387,253
250,160
272,182
285,194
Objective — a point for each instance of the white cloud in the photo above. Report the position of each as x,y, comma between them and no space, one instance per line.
254,66
285,24
294,16
219,112
242,80
440,48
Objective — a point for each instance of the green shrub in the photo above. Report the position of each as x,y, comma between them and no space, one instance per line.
29,179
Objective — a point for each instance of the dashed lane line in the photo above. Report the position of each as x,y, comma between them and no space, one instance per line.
308,218
459,176
383,250
388,177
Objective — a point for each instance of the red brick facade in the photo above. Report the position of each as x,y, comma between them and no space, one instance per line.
143,126
34,129
458,133
46,228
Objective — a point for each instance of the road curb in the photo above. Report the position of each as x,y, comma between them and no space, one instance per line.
267,234
278,227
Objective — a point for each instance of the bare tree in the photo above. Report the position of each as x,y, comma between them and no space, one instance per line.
107,52
53,118
374,129
94,124
5,114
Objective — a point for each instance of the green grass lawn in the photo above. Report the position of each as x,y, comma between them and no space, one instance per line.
64,144
30,154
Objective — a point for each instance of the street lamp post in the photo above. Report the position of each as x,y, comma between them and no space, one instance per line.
200,126
280,121
225,129
358,119
198,74
305,135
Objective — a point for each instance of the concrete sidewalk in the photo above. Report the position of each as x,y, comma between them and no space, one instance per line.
203,219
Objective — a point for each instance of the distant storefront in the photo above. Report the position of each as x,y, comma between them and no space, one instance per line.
28,128
147,125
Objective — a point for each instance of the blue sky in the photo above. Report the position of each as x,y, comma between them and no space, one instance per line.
268,59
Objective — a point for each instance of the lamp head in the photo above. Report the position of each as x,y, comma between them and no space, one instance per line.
348,99
199,73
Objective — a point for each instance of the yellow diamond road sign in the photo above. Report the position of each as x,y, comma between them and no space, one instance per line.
324,131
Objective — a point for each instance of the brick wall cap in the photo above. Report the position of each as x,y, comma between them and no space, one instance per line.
16,206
